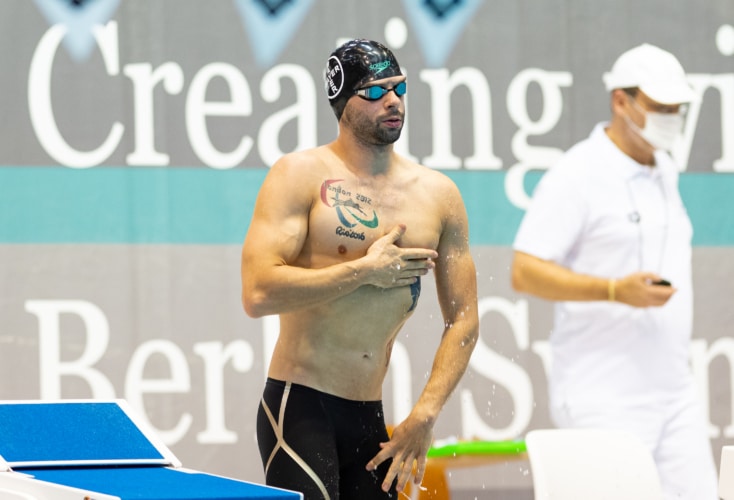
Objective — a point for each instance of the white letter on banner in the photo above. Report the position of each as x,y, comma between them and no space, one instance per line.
145,79
442,86
533,157
495,367
303,111
136,386
198,109
725,85
402,145
701,358
400,375
41,108
216,357
550,84
50,366
271,330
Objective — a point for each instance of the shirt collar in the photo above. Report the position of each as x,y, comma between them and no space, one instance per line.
620,162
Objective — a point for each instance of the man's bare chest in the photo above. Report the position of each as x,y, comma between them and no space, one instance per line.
347,218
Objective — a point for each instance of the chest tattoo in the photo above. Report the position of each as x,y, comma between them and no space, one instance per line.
352,209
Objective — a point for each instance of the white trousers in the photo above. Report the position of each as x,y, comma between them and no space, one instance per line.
673,429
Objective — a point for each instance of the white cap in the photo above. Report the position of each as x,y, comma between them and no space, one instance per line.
654,71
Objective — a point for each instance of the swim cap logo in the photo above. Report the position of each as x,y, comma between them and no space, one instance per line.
334,77
379,67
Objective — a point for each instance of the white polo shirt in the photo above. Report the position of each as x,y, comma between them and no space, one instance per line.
599,212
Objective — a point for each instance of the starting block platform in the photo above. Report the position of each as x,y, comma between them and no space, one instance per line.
98,450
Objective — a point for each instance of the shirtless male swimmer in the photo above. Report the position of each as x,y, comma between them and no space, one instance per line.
339,239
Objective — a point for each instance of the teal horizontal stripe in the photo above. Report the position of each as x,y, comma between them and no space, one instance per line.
126,205
709,199
41,205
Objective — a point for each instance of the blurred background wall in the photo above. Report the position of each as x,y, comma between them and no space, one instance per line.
135,135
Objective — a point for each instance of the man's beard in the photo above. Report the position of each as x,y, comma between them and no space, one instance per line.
371,132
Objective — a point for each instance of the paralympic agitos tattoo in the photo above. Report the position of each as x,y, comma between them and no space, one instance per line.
351,208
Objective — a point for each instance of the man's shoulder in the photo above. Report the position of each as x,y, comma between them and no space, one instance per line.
587,150
434,180
304,161
309,155
574,169
427,173
580,159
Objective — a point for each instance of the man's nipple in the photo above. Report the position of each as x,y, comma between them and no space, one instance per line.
342,249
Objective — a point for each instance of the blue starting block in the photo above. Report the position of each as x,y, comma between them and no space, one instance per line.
96,450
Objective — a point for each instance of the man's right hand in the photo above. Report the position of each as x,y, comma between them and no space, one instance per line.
392,266
640,290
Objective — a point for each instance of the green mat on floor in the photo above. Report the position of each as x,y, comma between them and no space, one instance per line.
459,448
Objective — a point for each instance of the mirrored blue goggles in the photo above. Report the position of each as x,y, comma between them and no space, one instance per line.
376,92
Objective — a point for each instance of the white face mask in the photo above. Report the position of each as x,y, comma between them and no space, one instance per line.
661,130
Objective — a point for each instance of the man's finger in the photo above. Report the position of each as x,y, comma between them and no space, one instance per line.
392,474
420,254
396,232
404,474
420,470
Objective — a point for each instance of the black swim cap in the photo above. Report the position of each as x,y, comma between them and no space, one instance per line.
352,66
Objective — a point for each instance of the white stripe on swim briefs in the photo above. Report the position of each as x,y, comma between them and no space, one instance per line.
278,430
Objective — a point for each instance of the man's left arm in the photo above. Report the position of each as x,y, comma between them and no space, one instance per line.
456,286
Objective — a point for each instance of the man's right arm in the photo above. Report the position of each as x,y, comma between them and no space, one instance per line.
273,284
551,281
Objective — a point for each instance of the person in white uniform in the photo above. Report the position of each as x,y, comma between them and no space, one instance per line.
607,237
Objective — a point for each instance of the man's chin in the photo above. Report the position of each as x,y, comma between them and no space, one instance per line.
390,136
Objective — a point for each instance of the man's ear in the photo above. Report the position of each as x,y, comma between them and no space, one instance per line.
619,100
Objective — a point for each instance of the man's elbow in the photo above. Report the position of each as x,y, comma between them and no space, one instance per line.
254,304
519,282
472,338
471,332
